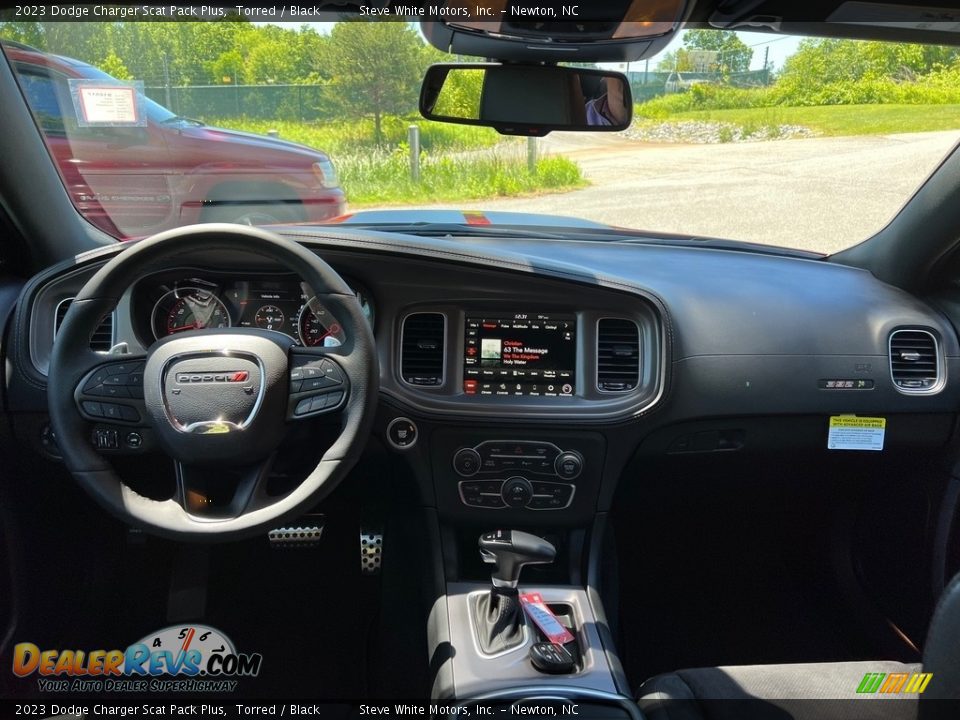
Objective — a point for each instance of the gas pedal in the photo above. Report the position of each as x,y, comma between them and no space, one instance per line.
371,550
305,533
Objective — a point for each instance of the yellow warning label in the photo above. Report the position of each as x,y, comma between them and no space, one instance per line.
852,421
849,432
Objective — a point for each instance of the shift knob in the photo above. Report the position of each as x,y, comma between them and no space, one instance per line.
510,550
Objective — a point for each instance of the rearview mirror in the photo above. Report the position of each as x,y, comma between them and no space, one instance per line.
526,99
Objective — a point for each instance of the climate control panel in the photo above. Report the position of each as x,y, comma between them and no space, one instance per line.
517,474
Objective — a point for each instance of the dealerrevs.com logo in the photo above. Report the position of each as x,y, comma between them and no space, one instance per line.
194,658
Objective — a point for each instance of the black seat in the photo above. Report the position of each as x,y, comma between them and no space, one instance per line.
784,692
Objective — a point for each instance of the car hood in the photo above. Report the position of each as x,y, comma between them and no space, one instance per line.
217,134
462,217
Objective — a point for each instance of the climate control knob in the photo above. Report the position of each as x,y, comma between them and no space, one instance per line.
517,492
466,462
568,465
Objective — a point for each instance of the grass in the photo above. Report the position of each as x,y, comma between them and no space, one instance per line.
338,137
458,162
384,178
838,119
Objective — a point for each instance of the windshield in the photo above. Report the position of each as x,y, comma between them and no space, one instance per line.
806,143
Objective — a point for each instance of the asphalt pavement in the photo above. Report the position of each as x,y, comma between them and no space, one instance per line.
821,194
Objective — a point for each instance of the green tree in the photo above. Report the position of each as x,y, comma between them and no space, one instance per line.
113,65
375,69
733,54
675,60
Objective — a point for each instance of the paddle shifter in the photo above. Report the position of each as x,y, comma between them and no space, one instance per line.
498,614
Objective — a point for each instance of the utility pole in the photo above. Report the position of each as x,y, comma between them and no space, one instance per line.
166,80
766,66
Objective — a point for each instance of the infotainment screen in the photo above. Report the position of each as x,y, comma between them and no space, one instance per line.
520,354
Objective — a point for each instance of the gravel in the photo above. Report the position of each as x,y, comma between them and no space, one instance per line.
702,132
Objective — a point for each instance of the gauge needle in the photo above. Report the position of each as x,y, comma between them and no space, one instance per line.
191,326
331,330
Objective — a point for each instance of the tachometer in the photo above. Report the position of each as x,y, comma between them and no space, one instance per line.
317,327
188,308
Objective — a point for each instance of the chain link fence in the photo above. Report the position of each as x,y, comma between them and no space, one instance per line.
312,102
256,102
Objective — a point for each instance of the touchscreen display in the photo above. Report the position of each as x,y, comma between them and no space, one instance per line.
520,354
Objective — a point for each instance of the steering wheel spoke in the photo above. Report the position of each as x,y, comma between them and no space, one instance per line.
112,391
217,493
318,383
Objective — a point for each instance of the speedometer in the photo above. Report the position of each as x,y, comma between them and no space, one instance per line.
188,308
317,327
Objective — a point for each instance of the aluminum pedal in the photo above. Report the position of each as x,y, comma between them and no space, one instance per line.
371,550
306,533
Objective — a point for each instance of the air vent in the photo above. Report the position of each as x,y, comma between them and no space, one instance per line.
422,349
102,339
914,361
618,355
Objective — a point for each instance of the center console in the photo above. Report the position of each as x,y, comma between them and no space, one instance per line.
512,642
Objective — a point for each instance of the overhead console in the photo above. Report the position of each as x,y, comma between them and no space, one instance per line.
515,30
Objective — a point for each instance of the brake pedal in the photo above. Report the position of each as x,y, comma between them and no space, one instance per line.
306,533
371,550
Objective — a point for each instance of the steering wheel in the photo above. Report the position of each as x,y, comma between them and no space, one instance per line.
218,401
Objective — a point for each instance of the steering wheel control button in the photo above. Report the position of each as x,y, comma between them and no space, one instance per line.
517,492
402,433
93,409
322,381
117,380
568,465
466,462
332,371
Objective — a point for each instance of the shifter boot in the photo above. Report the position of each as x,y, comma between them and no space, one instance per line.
499,620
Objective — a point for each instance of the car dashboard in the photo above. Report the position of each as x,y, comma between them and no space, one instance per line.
524,375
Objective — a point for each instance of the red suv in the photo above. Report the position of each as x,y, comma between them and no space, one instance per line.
186,171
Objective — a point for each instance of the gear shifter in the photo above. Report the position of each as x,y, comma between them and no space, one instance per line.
499,615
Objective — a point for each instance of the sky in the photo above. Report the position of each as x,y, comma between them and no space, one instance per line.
781,47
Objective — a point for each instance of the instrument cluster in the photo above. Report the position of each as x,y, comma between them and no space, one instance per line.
171,304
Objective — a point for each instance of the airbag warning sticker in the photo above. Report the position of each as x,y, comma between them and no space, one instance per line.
849,432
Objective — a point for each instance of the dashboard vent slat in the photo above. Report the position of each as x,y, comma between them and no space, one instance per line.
102,338
422,349
618,355
914,361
